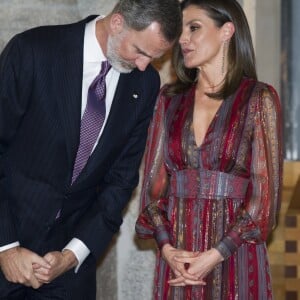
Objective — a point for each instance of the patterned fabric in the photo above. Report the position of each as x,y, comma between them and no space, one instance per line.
223,194
214,184
92,120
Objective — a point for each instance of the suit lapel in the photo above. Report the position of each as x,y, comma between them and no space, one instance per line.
68,74
70,105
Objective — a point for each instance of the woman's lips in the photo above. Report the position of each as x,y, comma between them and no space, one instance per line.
186,51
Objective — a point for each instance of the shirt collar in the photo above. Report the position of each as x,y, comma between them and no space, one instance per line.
92,49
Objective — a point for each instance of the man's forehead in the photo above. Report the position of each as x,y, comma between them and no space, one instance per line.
151,41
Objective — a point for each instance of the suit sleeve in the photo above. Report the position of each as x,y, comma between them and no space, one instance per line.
15,84
105,217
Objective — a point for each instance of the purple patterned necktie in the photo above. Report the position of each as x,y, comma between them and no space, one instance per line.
92,119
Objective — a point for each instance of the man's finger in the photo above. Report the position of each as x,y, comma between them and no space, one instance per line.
35,283
42,278
36,259
42,271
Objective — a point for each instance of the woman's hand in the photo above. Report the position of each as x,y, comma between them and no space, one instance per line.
202,264
179,268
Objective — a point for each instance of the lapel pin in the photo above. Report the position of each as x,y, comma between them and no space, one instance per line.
135,96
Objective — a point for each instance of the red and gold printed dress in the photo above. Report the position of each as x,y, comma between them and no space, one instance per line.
224,194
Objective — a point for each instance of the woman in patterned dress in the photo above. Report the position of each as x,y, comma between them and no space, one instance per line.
213,166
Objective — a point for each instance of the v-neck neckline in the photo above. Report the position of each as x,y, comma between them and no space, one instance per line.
209,128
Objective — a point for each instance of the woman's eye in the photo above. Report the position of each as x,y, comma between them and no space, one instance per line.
194,27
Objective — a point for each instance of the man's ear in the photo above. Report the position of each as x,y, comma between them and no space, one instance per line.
228,30
116,23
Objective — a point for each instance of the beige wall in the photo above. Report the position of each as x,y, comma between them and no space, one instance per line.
264,21
267,41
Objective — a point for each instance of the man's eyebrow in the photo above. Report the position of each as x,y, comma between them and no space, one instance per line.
143,52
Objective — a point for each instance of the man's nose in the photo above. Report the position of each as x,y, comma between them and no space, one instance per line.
142,63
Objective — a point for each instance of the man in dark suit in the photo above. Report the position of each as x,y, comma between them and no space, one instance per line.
56,219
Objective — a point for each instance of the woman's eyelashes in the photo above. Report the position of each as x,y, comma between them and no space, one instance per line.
194,27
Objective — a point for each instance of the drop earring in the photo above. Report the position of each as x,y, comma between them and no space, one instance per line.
223,57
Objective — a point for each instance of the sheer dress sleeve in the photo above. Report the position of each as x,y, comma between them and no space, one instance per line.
258,217
152,221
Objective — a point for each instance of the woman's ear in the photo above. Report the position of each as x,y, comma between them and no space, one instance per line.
116,23
228,30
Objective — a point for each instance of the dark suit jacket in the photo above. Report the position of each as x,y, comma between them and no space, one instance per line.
40,110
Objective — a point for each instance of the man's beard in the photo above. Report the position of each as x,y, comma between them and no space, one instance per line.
119,64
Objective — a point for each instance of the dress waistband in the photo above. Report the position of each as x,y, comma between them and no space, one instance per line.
196,183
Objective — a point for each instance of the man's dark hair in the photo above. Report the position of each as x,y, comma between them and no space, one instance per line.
139,14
